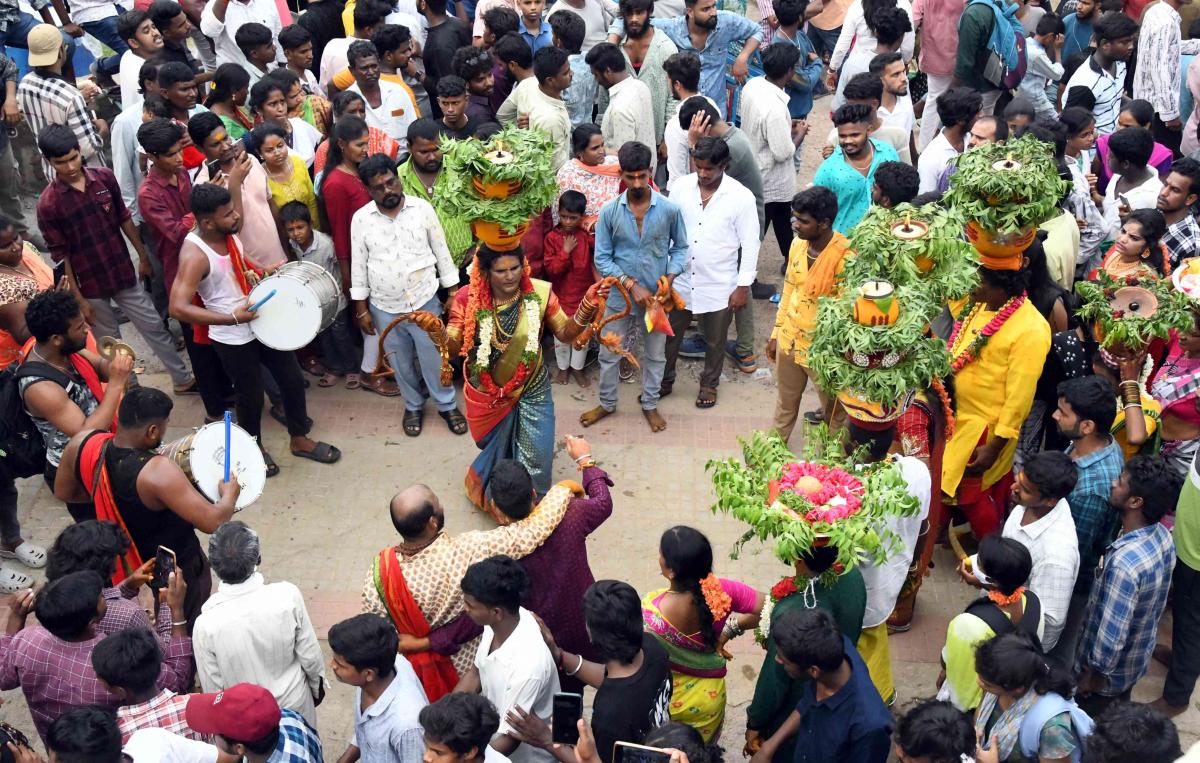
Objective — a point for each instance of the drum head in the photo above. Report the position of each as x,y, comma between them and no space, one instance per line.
207,459
289,320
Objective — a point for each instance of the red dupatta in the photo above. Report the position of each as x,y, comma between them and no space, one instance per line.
91,464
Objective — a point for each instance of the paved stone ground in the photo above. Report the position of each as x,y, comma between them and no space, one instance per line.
321,525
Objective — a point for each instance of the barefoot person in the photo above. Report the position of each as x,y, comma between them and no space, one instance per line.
640,238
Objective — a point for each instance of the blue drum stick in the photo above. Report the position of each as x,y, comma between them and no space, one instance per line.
254,308
228,431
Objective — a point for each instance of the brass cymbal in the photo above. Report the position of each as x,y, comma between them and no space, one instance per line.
110,346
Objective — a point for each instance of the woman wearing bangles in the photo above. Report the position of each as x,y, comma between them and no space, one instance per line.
496,323
1176,387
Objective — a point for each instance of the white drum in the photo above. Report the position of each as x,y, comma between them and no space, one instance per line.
304,305
201,456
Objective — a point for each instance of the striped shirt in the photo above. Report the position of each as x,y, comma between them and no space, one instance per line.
1106,87
47,99
1125,606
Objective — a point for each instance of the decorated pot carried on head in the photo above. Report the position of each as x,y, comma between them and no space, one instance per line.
1126,314
1004,191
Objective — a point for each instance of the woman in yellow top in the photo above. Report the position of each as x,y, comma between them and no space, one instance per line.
997,349
287,175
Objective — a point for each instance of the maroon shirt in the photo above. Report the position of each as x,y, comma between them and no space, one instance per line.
570,273
85,229
165,210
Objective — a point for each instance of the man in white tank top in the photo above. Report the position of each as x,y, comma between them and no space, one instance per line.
211,266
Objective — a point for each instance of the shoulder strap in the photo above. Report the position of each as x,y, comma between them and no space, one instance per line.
991,614
37,368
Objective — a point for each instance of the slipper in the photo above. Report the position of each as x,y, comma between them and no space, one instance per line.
12,581
413,422
324,453
327,380
353,381
381,386
454,420
272,467
707,398
27,554
279,416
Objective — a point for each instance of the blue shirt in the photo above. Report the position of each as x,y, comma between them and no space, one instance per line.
853,190
536,42
1186,104
1095,520
580,97
298,742
714,56
800,100
1077,37
852,726
1125,607
659,250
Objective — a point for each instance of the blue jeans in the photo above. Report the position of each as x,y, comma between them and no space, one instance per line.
17,34
654,360
413,356
105,30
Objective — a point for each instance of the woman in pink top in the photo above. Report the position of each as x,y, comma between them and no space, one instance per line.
1176,386
1137,113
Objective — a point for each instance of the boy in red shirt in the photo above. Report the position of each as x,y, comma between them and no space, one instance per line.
567,258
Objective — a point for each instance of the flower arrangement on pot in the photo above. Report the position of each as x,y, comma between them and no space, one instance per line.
1004,191
1127,313
910,243
822,498
499,184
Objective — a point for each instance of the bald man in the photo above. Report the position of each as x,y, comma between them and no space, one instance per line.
416,583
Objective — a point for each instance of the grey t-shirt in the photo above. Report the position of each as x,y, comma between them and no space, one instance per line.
78,393
744,168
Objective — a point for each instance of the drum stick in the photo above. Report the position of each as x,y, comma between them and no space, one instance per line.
228,433
254,308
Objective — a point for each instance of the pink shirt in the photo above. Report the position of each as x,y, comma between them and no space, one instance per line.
259,234
482,7
937,23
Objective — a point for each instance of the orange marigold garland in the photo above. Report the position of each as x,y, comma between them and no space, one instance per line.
719,602
947,409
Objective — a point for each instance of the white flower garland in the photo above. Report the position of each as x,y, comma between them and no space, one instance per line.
487,327
762,633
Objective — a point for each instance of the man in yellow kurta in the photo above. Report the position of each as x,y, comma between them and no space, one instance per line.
997,351
814,261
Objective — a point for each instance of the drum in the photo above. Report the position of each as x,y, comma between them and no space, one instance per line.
304,305
201,456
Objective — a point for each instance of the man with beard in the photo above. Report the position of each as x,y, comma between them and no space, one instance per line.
398,258
850,170
419,176
475,67
896,107
1180,191
1087,407
722,263
212,267
145,493
646,49
640,238
75,398
391,106
630,113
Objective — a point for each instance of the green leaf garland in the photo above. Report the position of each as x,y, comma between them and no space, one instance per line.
1133,331
1007,200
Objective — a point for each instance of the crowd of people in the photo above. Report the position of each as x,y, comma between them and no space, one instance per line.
250,136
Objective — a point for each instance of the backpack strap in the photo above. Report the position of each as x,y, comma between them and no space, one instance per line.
32,368
988,612
1048,706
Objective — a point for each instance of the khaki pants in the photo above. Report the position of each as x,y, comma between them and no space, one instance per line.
792,379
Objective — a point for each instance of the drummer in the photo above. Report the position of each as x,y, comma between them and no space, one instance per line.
146,493
211,266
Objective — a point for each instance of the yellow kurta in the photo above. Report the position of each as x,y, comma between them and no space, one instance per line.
995,391
796,318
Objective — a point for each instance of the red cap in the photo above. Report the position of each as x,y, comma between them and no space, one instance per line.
245,713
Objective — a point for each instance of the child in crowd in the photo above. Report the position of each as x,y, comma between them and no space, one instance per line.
338,354
297,45
257,45
567,253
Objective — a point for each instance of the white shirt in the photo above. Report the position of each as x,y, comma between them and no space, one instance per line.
856,32
767,122
126,152
1156,77
1108,89
154,745
1144,196
545,113
220,292
596,15
237,13
397,263
260,633
676,139
902,116
885,581
933,162
395,113
87,11
334,59
630,116
716,233
131,66
519,672
1054,546
305,139
388,730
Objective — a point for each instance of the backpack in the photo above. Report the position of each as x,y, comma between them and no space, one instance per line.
22,448
1005,65
1050,705
985,610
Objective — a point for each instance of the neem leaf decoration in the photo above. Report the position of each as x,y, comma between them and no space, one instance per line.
1006,187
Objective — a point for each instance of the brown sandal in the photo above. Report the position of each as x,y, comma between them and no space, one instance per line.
380,386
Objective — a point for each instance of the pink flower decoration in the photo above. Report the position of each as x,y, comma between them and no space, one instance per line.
833,494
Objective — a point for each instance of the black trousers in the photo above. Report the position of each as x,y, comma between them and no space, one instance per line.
245,363
779,219
211,380
1185,637
1172,139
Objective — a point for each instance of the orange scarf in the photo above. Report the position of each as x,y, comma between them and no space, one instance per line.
822,272
91,463
436,672
200,331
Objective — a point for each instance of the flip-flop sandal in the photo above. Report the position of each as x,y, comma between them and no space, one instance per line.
455,421
272,467
707,398
353,381
12,581
314,366
27,554
413,422
327,380
324,453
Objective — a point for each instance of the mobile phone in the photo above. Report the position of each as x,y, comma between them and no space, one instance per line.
564,723
1121,198
214,167
627,752
164,565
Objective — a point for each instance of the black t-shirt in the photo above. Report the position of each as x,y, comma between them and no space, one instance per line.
626,708
466,131
323,20
440,44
